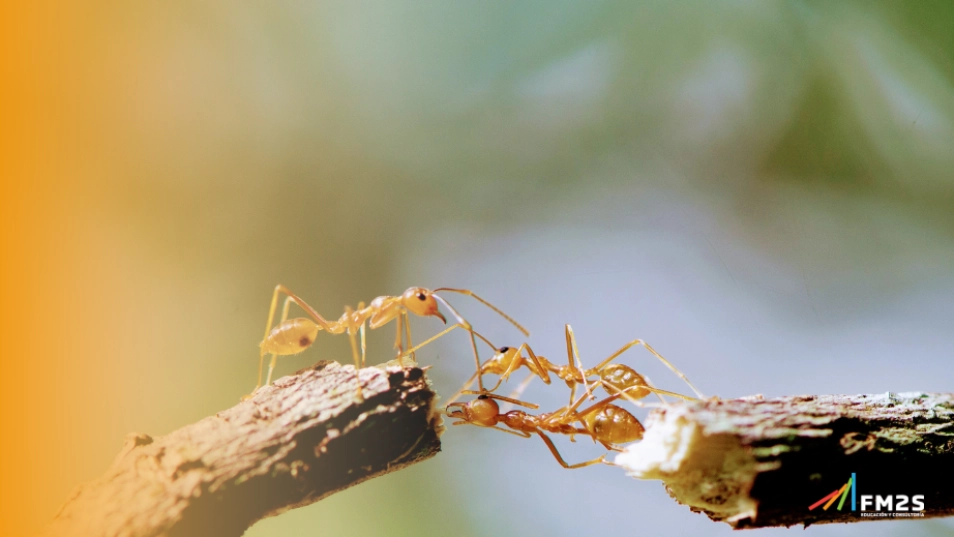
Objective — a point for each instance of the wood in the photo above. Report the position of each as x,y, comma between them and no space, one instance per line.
293,443
756,463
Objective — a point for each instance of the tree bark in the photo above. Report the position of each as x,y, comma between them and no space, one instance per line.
755,463
293,443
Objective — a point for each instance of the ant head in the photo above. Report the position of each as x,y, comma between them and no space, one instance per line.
501,360
420,301
482,411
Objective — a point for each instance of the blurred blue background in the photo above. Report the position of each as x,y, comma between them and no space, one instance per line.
762,191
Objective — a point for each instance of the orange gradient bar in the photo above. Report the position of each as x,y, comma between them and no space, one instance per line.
44,291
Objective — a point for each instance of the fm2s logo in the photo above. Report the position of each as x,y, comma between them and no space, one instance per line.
870,502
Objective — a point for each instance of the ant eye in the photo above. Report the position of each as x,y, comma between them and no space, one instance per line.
503,349
421,296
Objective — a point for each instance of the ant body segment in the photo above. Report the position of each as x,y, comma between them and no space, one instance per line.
604,422
292,336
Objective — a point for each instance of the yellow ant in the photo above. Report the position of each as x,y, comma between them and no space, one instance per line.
292,336
614,378
604,422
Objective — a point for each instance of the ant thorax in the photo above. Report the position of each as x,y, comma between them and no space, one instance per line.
520,420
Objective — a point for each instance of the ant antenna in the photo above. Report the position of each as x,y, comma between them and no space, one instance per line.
501,398
484,302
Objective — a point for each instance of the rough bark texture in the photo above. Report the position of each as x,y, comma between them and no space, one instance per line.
754,463
293,443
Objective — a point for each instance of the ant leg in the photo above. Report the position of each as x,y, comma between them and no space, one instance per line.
364,345
571,353
536,368
474,376
431,339
649,384
285,307
407,335
666,362
462,389
473,345
515,394
358,360
301,303
271,367
501,398
514,364
623,394
261,357
596,407
674,370
398,341
522,386
540,371
562,413
444,332
274,358
538,363
468,292
521,434
599,406
261,365
473,342
349,314
268,329
659,393
562,462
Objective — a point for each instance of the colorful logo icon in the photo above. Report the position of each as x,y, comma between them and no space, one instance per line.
842,492
873,505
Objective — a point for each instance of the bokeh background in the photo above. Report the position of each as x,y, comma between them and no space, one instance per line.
763,191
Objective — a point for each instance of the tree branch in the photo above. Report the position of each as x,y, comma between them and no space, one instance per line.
755,463
292,444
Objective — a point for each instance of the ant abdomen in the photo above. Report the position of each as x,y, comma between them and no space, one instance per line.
614,425
291,337
624,379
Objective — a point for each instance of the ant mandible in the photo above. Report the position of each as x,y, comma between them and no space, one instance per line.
614,378
604,422
292,336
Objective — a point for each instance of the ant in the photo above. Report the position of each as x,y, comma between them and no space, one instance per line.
604,422
614,378
292,336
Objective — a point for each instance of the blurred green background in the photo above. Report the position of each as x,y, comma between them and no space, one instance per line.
761,190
